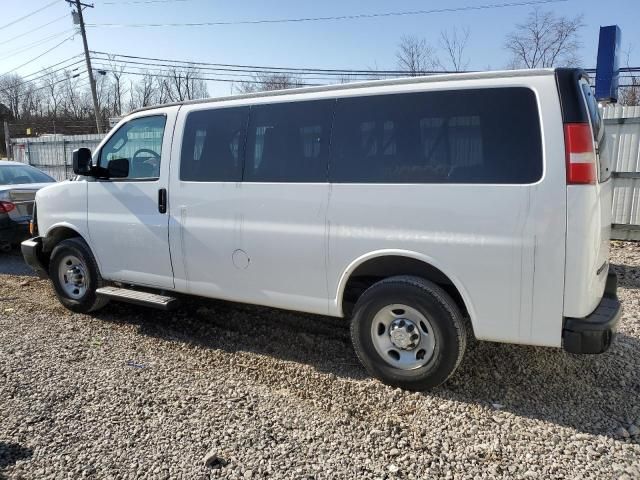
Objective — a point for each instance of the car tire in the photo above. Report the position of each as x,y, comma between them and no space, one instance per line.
75,276
408,333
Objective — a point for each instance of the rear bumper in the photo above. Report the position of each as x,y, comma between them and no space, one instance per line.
13,232
32,252
594,333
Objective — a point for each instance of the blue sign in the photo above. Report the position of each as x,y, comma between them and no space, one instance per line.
608,69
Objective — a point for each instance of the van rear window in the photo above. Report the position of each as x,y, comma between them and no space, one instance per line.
595,118
462,136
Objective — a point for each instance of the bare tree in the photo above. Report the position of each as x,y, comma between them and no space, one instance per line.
415,56
12,90
117,71
31,102
545,40
51,86
184,84
74,103
454,44
630,95
262,82
143,93
162,90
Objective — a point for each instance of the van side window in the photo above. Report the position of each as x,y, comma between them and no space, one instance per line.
289,142
462,136
139,141
212,145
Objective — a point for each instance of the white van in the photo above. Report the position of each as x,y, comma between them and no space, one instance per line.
423,209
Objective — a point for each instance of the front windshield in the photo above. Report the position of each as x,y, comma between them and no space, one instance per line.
22,174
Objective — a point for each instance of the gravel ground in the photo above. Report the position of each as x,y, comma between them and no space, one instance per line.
133,393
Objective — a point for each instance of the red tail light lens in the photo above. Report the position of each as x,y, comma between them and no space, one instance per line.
6,207
581,155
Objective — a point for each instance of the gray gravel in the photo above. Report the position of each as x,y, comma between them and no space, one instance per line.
218,390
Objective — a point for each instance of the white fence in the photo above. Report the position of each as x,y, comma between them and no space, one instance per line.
622,146
52,153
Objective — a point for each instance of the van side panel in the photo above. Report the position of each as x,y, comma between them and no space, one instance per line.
460,227
504,244
256,242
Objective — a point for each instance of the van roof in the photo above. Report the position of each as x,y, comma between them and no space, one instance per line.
365,84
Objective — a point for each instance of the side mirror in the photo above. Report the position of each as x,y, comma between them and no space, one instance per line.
118,168
82,161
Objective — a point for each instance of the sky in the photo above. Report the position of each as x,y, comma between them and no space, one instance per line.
354,44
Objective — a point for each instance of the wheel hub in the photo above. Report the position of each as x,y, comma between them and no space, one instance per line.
403,337
73,277
75,274
404,334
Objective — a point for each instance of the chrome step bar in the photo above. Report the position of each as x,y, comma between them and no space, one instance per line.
136,297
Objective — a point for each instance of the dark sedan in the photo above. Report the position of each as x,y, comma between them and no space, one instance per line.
18,186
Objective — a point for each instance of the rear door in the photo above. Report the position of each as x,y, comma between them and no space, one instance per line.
589,196
128,230
604,184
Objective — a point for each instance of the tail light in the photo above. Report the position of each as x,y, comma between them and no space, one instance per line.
6,207
581,154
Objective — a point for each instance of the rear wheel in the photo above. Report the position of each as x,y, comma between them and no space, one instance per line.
408,333
75,276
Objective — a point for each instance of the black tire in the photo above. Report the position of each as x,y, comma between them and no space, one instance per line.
446,324
89,302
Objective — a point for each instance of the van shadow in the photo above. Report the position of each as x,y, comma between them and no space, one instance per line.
628,275
10,453
12,263
591,394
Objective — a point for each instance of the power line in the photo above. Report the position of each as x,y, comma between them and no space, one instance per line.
44,69
39,27
189,64
266,69
36,58
208,79
359,16
30,92
45,73
111,64
28,15
166,74
37,43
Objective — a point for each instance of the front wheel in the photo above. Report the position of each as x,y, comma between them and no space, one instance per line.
75,276
408,333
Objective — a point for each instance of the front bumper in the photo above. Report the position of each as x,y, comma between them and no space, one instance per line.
594,334
32,253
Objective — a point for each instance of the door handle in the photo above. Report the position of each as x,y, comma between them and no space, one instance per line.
162,200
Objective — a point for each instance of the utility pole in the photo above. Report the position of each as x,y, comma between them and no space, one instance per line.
87,57
7,140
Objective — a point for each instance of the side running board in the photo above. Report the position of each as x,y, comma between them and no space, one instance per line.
138,298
